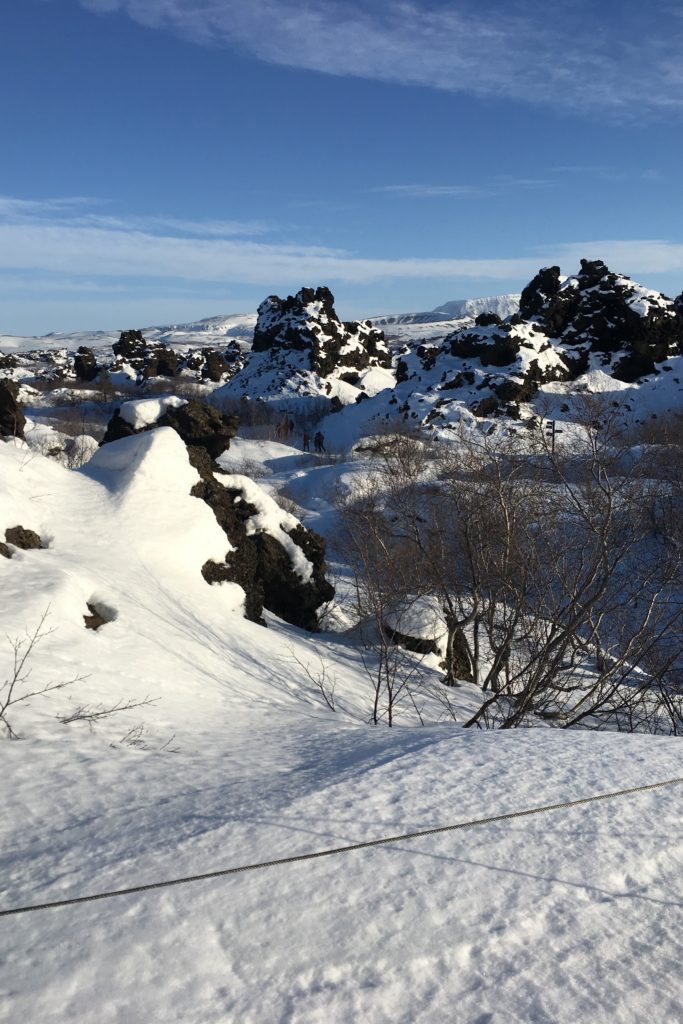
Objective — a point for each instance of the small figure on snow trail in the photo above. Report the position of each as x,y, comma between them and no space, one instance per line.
307,441
319,442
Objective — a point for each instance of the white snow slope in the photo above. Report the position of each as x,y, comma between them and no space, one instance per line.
212,331
570,916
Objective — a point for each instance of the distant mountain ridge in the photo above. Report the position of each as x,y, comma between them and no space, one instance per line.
210,330
502,305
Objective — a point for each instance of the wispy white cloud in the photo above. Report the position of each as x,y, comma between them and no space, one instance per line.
498,186
116,253
434,191
73,249
17,209
623,63
86,212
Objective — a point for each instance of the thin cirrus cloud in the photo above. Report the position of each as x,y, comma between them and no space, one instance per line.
623,65
460,191
42,239
83,211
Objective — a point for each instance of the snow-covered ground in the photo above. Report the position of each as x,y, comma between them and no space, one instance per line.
212,331
573,915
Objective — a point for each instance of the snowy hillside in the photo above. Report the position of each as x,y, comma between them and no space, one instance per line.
201,332
501,305
562,917
208,629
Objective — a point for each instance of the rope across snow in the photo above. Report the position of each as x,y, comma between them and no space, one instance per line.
317,854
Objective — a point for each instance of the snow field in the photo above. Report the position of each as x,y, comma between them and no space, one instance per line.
569,916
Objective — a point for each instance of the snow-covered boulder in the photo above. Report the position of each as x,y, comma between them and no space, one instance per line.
279,563
197,423
418,624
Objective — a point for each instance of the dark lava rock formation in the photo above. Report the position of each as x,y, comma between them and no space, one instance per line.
563,327
20,537
158,360
12,419
258,562
85,364
308,322
148,360
197,423
602,312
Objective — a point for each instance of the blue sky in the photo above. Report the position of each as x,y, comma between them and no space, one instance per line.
164,160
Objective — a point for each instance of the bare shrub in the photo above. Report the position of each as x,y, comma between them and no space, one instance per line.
558,598
17,688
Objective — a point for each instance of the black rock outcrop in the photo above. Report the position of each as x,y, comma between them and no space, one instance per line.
539,292
131,348
214,366
496,349
198,424
85,364
308,322
608,314
564,327
20,537
155,359
258,562
12,419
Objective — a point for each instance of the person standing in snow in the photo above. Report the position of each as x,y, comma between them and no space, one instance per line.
307,441
319,442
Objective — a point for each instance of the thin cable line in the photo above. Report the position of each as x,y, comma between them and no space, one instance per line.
334,850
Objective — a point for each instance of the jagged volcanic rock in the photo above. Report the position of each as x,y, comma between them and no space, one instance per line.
594,321
279,564
540,290
307,321
606,313
259,561
198,424
214,365
12,419
157,359
20,537
85,364
160,361
131,348
302,352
